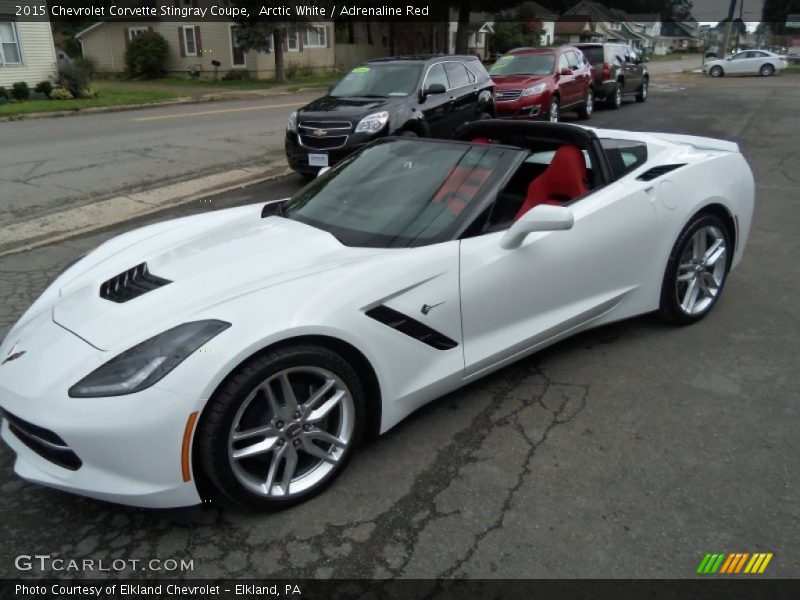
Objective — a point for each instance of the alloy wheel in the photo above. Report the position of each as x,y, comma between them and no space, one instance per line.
554,110
589,103
291,431
618,97
701,271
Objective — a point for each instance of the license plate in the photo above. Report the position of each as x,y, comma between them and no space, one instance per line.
317,160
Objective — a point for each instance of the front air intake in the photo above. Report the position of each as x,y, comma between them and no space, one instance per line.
658,171
131,284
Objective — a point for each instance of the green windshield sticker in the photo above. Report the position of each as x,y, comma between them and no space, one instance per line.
505,58
360,69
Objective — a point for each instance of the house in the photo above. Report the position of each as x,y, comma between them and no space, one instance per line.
611,24
481,25
678,36
648,24
26,51
195,46
575,29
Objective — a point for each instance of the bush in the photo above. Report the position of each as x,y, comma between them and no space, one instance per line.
3,93
89,93
146,55
3,100
87,65
43,87
38,96
72,78
236,75
20,90
61,94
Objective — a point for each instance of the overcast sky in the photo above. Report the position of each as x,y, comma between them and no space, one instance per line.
716,10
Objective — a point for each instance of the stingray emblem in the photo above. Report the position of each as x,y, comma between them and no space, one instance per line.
13,354
426,308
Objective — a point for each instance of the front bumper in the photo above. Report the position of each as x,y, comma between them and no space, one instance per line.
297,154
128,448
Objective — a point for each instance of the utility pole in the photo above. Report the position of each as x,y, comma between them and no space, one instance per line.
728,26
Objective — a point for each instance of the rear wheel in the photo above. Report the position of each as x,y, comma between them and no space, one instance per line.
767,70
641,95
615,99
585,111
696,271
716,71
282,427
554,110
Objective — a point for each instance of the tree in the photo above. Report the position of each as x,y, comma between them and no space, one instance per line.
516,28
146,55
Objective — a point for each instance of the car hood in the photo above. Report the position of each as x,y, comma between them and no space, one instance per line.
352,108
515,82
207,260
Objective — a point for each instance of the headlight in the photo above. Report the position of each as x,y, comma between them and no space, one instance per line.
535,90
146,363
373,123
292,124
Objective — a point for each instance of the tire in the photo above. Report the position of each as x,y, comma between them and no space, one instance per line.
716,71
696,272
408,134
554,110
585,111
289,438
641,95
614,100
766,70
484,116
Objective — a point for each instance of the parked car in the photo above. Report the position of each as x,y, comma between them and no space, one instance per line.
249,349
534,83
749,62
420,96
618,72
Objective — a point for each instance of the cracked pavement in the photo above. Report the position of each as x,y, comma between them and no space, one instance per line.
627,451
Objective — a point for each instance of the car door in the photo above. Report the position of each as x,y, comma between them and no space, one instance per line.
582,74
633,70
437,109
515,300
566,81
463,94
736,64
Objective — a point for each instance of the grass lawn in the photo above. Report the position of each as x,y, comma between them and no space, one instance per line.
111,94
246,84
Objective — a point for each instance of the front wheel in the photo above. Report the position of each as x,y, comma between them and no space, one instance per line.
641,95
696,271
554,111
716,71
281,429
585,111
766,70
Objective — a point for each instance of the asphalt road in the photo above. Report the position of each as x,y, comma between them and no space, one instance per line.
628,451
48,165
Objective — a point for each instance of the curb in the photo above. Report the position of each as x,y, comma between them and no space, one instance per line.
94,110
69,223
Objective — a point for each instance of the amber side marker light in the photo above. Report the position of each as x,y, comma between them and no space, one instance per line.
187,446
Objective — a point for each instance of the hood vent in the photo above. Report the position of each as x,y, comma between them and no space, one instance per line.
411,327
131,284
658,171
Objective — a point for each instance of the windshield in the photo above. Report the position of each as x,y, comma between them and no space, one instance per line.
401,193
524,64
379,80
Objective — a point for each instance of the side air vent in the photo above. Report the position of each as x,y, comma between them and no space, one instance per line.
658,171
411,327
131,284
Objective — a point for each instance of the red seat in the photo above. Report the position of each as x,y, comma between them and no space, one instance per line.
481,140
460,187
562,181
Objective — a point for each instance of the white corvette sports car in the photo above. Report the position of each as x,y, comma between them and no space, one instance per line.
251,348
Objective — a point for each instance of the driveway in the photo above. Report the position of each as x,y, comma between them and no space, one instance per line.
628,451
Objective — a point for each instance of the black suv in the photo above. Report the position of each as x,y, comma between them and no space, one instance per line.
618,72
427,96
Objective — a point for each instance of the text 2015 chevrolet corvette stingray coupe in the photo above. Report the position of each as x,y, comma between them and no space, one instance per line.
252,348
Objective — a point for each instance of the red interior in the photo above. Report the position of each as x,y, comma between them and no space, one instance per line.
562,181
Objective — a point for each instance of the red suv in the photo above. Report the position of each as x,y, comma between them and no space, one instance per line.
534,83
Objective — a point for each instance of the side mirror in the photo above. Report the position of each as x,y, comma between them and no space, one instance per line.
434,88
565,71
543,217
322,171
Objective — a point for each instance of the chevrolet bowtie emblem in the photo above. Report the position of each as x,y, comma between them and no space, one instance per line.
13,354
319,133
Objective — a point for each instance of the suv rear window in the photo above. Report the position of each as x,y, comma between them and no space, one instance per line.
594,54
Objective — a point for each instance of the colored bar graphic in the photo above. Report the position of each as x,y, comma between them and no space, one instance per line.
718,562
734,563
727,564
703,563
764,564
740,564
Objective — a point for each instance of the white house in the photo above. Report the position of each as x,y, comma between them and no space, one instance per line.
26,51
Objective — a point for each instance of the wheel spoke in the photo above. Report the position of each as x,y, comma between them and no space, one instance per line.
255,432
690,297
325,436
289,398
713,257
699,245
277,457
711,285
265,445
313,402
274,405
320,413
289,467
311,448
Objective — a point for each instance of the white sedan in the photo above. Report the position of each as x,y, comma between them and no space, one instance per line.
749,62
244,353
